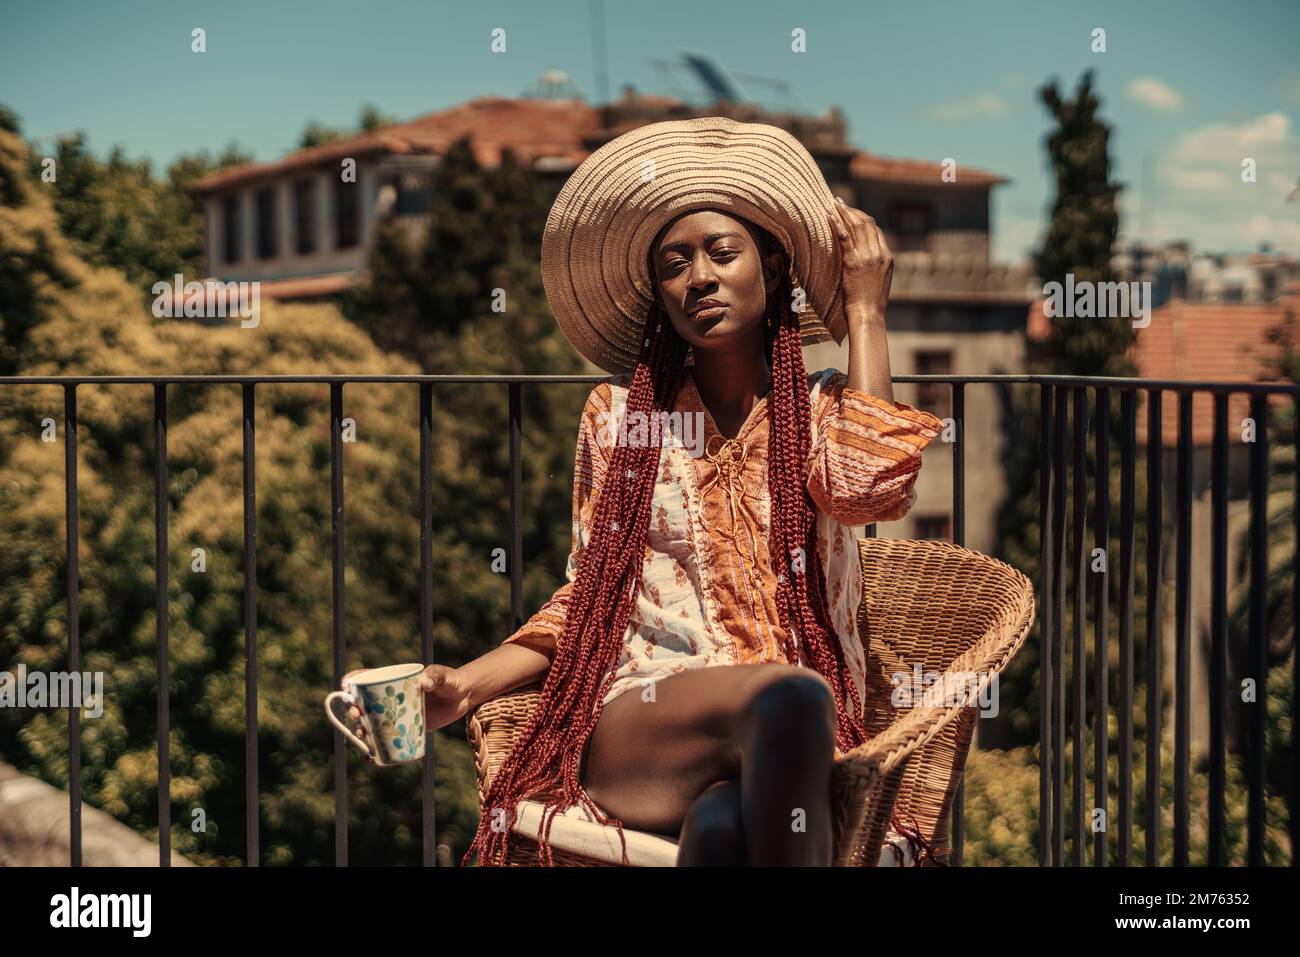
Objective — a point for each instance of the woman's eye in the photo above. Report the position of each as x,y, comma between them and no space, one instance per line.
724,255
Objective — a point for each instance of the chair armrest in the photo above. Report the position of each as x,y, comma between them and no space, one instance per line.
492,727
866,781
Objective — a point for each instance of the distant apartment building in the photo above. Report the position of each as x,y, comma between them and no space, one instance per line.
297,227
1176,272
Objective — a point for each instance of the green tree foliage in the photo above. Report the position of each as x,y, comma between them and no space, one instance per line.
119,215
59,315
1001,806
426,287
315,134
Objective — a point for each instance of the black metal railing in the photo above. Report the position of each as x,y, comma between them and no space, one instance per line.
1056,394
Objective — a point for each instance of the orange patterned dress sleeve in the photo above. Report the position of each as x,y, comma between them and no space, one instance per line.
866,454
590,460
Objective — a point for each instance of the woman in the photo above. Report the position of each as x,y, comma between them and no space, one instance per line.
685,566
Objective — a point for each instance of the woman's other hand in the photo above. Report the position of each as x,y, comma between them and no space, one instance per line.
868,265
446,698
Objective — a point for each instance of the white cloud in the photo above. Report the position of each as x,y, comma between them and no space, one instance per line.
986,104
1198,180
1155,93
1198,195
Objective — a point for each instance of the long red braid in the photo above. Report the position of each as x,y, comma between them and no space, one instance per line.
546,757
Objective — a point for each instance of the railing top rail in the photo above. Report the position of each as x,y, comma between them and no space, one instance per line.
1119,382
491,379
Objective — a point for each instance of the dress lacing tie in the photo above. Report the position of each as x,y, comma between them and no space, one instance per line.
729,460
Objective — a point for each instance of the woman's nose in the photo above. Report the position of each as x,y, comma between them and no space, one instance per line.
702,273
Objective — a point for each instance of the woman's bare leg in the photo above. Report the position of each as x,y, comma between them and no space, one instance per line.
713,834
769,727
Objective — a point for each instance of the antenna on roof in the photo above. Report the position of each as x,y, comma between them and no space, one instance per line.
718,83
554,84
714,77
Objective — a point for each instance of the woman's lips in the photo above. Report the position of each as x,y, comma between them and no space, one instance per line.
709,312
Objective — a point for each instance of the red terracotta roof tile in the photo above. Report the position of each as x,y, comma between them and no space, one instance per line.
532,128
1216,342
1220,342
866,165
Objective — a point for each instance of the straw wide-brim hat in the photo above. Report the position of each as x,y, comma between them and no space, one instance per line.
599,231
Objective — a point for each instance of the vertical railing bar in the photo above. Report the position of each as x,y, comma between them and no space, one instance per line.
1218,624
959,538
1155,536
252,826
1101,624
1058,620
1258,666
1044,624
161,585
516,509
1182,630
429,820
1294,819
340,651
1078,655
1128,527
74,616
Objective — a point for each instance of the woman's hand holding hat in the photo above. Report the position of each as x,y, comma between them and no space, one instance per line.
868,265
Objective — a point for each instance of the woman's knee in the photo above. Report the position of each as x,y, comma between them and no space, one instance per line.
797,705
713,831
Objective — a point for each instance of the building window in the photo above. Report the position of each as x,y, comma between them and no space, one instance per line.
934,527
909,222
414,195
935,397
304,216
347,215
412,192
267,227
231,230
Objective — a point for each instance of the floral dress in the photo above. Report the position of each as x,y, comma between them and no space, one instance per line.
708,585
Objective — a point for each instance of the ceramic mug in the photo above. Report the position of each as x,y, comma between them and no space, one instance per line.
391,702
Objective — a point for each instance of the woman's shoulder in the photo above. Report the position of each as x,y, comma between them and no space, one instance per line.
826,382
609,393
605,399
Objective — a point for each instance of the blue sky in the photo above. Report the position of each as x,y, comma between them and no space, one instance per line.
1190,88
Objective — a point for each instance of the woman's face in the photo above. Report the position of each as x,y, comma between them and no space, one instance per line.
707,256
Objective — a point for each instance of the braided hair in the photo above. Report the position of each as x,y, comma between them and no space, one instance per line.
546,757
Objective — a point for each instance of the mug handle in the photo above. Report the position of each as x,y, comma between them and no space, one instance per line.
334,720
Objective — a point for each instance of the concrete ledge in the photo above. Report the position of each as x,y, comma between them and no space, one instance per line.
34,830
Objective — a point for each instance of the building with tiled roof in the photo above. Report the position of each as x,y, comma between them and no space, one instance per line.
297,219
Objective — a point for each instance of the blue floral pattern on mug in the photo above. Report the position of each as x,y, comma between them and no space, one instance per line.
394,714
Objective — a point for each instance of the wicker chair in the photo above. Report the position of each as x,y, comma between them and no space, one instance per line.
945,609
